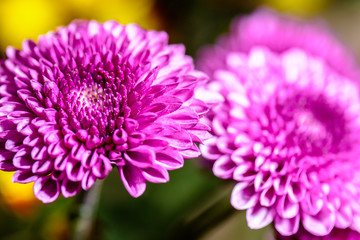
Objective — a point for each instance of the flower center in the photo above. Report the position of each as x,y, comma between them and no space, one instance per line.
308,125
94,96
312,133
93,105
319,126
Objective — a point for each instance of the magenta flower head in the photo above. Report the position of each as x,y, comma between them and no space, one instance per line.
288,131
335,234
279,33
90,97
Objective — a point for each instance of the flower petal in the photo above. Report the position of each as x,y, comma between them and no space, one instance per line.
140,157
224,167
69,188
287,227
320,224
258,217
133,180
156,174
286,208
46,189
243,196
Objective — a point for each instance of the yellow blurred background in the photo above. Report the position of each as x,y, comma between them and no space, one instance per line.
22,19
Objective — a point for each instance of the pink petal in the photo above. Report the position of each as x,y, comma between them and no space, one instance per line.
243,196
69,188
156,143
39,153
186,118
91,160
24,177
7,165
133,180
156,174
60,162
320,224
296,192
356,223
74,171
344,216
287,227
141,157
258,217
170,159
22,160
191,152
312,203
268,197
244,172
224,167
177,138
42,167
81,153
46,189
135,139
119,136
286,208
281,184
88,180
209,150
56,149
102,168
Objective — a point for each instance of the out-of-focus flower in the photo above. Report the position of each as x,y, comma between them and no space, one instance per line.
288,130
279,33
91,96
32,18
18,197
335,234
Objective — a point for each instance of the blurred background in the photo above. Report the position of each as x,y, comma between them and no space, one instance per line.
163,208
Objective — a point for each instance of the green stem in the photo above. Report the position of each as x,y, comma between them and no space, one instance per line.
86,212
207,219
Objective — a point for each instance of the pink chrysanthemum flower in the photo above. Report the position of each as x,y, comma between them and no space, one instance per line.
279,33
288,131
91,96
335,234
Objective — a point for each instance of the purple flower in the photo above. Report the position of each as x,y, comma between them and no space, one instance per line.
93,96
288,131
335,234
279,33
